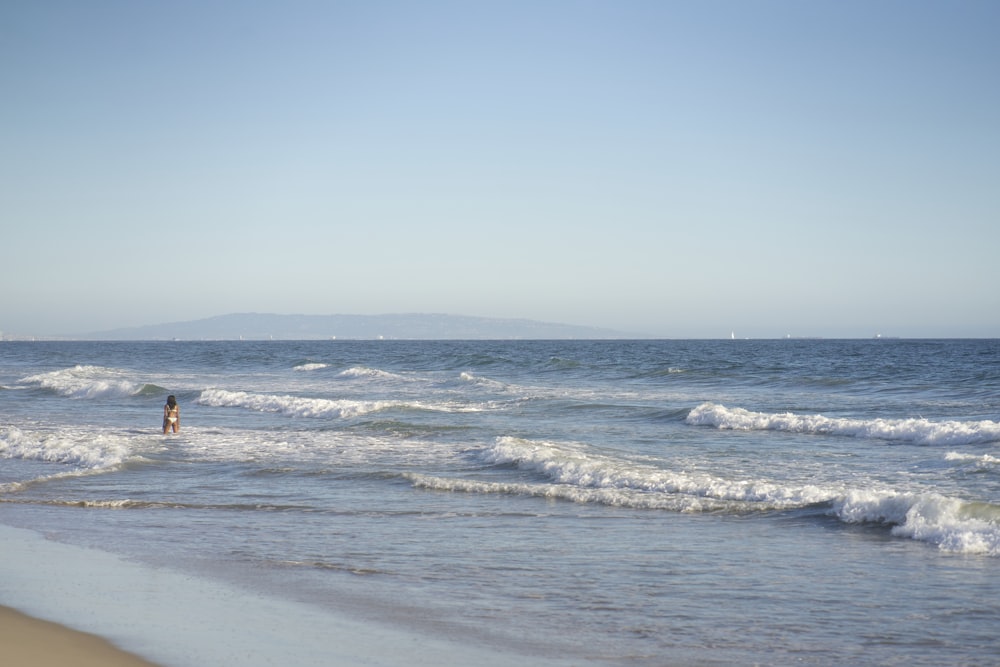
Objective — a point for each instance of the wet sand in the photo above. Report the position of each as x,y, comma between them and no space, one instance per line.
32,642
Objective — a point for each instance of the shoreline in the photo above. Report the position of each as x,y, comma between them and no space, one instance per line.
105,610
27,640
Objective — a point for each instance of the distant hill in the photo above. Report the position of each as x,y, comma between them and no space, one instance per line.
413,326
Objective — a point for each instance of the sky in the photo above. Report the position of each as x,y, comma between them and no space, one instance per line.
676,169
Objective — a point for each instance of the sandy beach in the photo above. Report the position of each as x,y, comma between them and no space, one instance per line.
32,642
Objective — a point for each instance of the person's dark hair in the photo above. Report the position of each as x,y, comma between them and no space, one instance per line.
171,401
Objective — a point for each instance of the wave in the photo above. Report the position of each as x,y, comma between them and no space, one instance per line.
470,378
951,524
89,382
328,565
298,406
83,449
613,497
659,372
981,461
576,473
15,487
99,504
918,431
311,366
363,372
306,453
575,465
128,503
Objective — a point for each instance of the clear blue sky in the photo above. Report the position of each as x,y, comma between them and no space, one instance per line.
683,169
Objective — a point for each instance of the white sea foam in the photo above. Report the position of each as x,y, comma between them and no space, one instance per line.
298,406
364,372
310,367
578,474
949,523
614,497
77,448
986,461
294,406
85,382
296,451
484,382
577,466
918,430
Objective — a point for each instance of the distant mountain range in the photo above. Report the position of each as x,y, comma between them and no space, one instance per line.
412,326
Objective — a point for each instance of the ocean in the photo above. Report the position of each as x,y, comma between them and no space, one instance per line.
727,502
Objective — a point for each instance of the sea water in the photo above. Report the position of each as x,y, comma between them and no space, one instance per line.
541,502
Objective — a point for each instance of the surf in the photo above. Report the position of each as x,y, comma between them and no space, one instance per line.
578,473
79,448
918,430
88,382
319,408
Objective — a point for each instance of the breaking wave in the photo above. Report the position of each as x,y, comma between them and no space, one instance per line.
82,449
918,431
364,372
298,406
980,461
89,382
312,366
574,473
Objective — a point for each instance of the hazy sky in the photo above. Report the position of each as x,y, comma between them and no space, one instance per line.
683,169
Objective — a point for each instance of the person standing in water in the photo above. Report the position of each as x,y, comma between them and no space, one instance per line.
171,414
